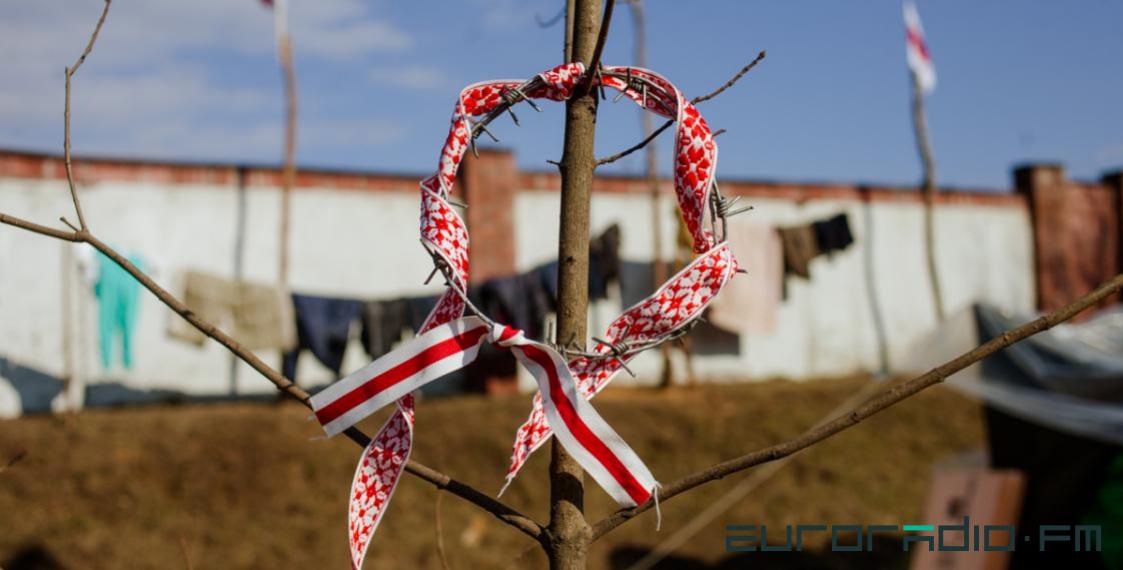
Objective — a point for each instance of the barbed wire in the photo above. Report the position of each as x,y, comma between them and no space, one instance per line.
720,208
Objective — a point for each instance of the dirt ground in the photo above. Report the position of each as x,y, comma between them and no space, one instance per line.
248,485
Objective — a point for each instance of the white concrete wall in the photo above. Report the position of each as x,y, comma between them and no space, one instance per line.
364,245
827,326
344,243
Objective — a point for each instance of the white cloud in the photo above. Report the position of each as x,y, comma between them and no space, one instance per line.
147,31
159,81
352,39
506,14
224,141
417,78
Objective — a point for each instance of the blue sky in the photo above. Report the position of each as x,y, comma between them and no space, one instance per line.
1019,80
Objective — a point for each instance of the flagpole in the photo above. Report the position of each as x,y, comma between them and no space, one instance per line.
928,187
651,175
288,175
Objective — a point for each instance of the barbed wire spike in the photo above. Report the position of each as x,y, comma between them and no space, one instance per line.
739,211
432,274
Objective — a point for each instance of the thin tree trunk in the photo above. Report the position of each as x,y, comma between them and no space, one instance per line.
569,531
928,184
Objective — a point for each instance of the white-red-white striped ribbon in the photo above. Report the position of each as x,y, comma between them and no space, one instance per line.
584,434
454,345
427,357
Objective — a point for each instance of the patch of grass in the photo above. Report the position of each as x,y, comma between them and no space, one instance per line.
246,486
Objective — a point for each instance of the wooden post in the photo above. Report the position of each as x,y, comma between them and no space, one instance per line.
928,185
284,48
569,531
651,173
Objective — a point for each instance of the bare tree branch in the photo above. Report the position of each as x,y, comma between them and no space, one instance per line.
646,141
70,71
39,229
700,99
82,234
15,459
886,399
732,80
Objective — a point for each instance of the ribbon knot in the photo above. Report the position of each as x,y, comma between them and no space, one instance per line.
454,345
505,335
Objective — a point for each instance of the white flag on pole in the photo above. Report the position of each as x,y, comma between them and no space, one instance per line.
916,49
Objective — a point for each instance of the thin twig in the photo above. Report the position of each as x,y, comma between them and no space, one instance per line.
15,459
889,397
186,557
593,69
90,44
39,229
732,80
543,23
638,146
739,491
700,99
440,534
70,71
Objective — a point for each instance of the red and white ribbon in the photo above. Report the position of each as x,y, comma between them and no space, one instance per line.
454,345
448,340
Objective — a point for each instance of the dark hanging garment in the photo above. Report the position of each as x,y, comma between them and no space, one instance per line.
521,301
800,247
604,261
833,234
322,326
383,322
418,309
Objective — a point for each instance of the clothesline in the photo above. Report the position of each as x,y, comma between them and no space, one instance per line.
524,300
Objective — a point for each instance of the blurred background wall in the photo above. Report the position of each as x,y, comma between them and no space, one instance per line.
354,235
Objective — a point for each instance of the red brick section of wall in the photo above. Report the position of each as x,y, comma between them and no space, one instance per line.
99,170
1076,232
489,184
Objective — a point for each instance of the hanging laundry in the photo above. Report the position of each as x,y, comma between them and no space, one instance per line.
748,303
418,309
833,234
604,261
383,323
521,301
118,296
264,317
260,316
800,247
323,325
604,266
210,297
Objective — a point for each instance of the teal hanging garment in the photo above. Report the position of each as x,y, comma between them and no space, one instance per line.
118,295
